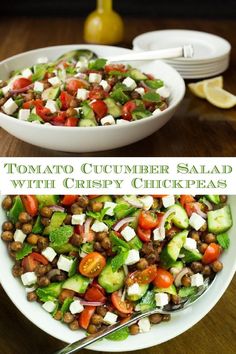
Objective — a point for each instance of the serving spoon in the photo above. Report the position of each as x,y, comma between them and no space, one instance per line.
166,310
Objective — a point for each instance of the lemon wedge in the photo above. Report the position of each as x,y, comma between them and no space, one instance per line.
219,97
198,88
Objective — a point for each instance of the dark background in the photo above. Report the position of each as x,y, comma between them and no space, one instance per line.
153,8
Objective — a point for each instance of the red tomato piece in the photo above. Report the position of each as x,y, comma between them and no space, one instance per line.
69,199
71,122
145,276
115,67
144,235
21,83
100,109
31,204
74,84
148,220
97,93
125,307
186,199
32,103
94,294
85,316
30,262
92,196
44,113
127,110
163,279
92,265
211,254
65,99
59,119
39,258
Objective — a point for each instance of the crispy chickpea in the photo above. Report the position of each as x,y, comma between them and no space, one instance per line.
195,235
43,281
71,112
42,242
106,243
7,226
151,258
46,212
74,103
142,264
41,270
92,329
27,228
76,209
58,315
76,240
134,329
67,220
24,217
203,247
16,246
96,206
223,198
7,203
18,225
74,325
101,235
32,296
2,100
204,227
186,281
45,221
32,239
217,266
68,317
7,236
196,267
101,310
83,201
17,270
206,270
209,238
98,247
155,318
96,319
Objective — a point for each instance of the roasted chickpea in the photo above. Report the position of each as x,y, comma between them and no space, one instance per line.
32,239
206,270
92,329
74,325
101,310
32,296
68,317
74,103
71,112
155,318
43,281
101,235
195,235
24,217
17,270
83,201
134,329
196,267
7,203
142,264
27,228
217,266
7,226
76,209
7,236
209,238
58,315
16,246
45,221
203,247
96,206
46,212
106,243
96,319
186,281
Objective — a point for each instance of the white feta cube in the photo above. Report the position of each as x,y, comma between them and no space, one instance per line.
49,253
111,207
140,90
52,106
78,219
38,86
122,121
82,94
95,78
76,307
196,221
157,111
42,60
81,75
158,235
19,236
128,233
9,106
163,92
99,226
27,73
161,299
108,120
168,201
49,306
129,83
64,263
190,244
134,289
24,114
110,318
29,278
133,257
144,325
54,81
6,89
147,201
106,87
82,64
197,279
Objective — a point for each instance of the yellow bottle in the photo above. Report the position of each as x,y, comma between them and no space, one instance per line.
103,26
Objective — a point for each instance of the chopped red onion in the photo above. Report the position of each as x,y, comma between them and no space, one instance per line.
86,229
23,89
133,200
91,303
57,208
163,220
120,223
180,275
52,273
199,211
208,204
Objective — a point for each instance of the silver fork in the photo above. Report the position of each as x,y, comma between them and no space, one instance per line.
166,310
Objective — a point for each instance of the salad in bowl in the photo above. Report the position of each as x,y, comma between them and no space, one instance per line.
90,261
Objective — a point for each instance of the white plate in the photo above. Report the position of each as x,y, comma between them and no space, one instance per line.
206,46
198,70
195,66
158,334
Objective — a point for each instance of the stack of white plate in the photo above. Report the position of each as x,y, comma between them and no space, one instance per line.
211,53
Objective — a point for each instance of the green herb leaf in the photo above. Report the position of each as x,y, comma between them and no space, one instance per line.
154,84
119,96
121,334
39,72
223,240
19,101
148,301
97,64
61,235
98,215
73,268
86,247
26,249
66,304
123,210
32,117
50,292
152,97
140,113
135,243
186,292
119,260
71,70
118,73
117,243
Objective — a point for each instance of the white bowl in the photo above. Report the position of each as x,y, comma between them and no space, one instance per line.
89,139
158,334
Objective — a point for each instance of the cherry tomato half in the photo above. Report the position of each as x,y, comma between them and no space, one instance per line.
85,316
163,279
148,220
94,294
65,99
145,276
97,93
186,199
115,67
59,119
74,84
69,199
144,235
32,103
92,265
211,254
100,109
71,122
121,305
21,83
30,262
44,113
127,110
30,203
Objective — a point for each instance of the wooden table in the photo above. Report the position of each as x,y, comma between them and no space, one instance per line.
197,129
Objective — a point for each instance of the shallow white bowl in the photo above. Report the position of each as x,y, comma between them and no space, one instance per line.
90,139
158,334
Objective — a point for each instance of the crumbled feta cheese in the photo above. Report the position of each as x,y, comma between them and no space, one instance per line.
163,92
111,207
54,81
82,94
82,64
190,244
9,106
144,325
76,307
157,111
64,263
26,73
140,90
49,306
38,86
99,226
133,257
106,87
49,253
24,114
29,278
6,89
196,221
197,279
108,120
110,318
157,235
52,106
42,60
129,83
95,78
168,201
162,299
128,233
122,121
19,236
78,219
147,201
134,289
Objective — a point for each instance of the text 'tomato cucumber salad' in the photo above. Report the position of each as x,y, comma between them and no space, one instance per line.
79,89
90,261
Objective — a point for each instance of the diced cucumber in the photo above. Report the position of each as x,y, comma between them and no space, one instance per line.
170,290
77,283
63,249
16,209
171,252
143,290
38,226
178,265
50,292
56,221
46,200
140,114
135,243
51,93
213,198
180,219
186,292
137,75
219,220
120,200
191,256
111,281
103,199
87,112
113,107
119,96
87,123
